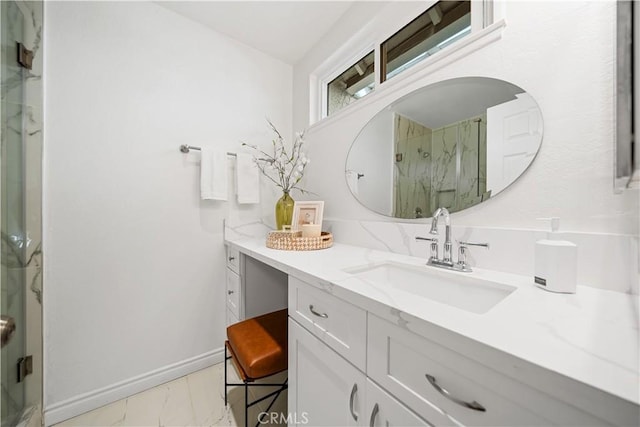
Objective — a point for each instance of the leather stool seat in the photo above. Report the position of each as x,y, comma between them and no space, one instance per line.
259,345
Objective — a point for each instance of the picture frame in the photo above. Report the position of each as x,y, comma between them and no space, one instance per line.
307,212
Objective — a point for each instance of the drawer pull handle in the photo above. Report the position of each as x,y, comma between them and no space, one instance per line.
473,405
323,315
374,414
354,390
229,292
231,258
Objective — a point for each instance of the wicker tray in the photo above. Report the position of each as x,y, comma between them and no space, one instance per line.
293,241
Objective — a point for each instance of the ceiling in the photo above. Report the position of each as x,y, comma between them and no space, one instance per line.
457,99
285,30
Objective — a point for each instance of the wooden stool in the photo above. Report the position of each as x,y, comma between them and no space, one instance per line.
258,348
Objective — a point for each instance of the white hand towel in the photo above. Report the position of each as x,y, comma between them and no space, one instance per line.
247,179
213,174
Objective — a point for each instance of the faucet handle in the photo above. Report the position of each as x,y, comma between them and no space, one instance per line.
434,246
465,244
462,252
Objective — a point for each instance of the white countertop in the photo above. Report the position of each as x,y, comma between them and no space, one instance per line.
590,336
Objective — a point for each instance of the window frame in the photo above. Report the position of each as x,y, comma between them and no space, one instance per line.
357,58
386,63
337,66
485,14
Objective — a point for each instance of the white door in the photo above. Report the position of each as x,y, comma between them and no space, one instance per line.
384,410
514,132
325,389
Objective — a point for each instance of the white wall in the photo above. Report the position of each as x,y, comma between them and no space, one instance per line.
134,266
559,52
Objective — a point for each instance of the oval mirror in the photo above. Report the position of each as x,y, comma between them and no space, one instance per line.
455,143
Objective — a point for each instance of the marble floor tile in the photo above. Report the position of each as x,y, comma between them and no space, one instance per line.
194,400
207,402
165,405
108,415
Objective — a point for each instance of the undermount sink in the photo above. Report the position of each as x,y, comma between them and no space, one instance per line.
468,293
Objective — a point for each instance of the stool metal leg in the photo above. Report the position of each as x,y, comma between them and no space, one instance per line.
276,395
249,382
246,405
225,375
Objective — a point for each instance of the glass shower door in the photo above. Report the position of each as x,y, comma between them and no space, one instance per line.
12,218
20,212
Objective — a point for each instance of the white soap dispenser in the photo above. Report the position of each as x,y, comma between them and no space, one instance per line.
556,262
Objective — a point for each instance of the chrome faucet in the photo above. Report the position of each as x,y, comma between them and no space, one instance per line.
446,261
446,258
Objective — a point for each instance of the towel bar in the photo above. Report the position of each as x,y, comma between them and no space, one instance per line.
186,148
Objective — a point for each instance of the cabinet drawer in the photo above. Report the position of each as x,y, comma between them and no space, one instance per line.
342,326
233,259
233,293
402,362
383,410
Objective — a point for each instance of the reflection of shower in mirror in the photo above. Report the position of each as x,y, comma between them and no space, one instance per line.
423,154
455,143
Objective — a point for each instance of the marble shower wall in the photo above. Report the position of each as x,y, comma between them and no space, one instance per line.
21,155
444,157
411,172
438,167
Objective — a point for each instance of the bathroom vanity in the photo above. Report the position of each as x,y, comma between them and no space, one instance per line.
369,345
246,276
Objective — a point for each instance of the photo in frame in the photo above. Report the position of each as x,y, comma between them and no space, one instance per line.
307,212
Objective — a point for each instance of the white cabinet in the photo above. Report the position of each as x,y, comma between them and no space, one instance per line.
326,344
233,294
351,367
325,389
233,290
252,287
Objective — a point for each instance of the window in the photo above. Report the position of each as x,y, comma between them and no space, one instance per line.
443,24
356,82
438,27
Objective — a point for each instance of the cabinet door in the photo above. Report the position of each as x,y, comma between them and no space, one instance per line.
325,389
384,410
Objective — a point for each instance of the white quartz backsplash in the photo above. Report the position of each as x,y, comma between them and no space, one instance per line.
605,261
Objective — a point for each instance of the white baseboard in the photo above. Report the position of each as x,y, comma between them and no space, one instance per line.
85,402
